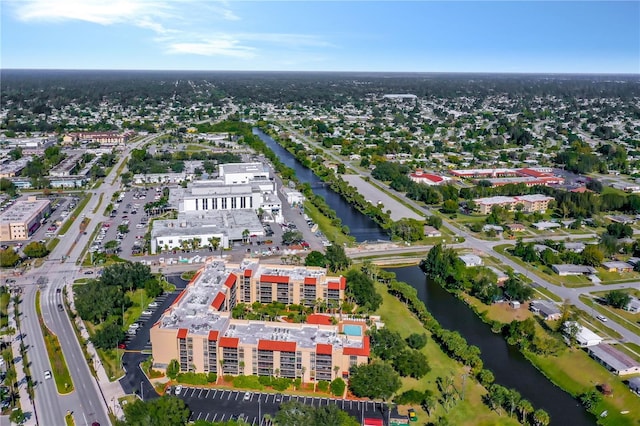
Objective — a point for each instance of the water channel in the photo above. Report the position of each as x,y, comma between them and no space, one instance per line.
361,227
510,367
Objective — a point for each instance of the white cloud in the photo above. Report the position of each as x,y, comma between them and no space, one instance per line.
221,46
96,11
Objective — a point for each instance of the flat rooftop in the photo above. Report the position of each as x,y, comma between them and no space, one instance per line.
236,168
23,210
229,222
193,309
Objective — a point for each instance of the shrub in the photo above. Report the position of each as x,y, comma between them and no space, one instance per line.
337,387
154,374
281,384
191,378
412,396
212,377
323,386
265,380
247,382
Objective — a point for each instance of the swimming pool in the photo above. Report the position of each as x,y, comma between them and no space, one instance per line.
352,330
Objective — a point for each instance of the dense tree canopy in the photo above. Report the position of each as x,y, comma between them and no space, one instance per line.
163,411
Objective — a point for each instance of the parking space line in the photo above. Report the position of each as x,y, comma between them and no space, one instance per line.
199,414
200,393
207,395
206,417
214,417
215,392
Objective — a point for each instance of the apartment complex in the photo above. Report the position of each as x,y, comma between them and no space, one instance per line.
198,331
23,218
103,138
530,203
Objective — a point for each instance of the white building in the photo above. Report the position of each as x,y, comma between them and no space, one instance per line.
471,260
242,173
583,336
225,225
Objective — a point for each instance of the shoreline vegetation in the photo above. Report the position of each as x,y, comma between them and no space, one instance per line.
541,343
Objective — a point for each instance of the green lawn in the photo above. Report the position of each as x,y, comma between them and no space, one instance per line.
52,244
59,367
575,372
98,205
333,233
620,316
471,411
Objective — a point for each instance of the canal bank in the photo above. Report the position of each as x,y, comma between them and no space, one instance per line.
361,227
509,366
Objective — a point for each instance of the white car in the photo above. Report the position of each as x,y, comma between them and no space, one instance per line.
247,396
153,304
178,389
47,374
147,312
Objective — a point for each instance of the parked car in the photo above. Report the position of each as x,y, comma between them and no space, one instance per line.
47,374
247,396
178,390
147,312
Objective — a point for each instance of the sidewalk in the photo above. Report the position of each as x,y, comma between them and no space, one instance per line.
25,403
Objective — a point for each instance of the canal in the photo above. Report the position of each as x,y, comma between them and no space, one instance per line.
509,366
361,227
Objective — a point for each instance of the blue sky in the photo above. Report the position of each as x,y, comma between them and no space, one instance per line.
412,36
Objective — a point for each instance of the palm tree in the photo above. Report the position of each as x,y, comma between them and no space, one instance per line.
336,369
302,371
195,243
541,417
185,244
241,365
245,236
214,242
524,408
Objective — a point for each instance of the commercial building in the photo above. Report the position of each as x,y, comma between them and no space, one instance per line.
226,226
529,176
23,218
419,176
199,332
530,203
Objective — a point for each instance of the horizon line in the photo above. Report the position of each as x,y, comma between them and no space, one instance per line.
567,73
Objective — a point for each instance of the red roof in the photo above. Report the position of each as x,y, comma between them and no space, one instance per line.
324,349
182,333
310,280
533,173
338,285
319,319
427,176
247,272
228,342
581,190
275,345
231,280
218,301
363,351
372,422
213,335
195,277
280,279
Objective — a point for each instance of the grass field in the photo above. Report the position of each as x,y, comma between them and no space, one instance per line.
333,233
52,244
59,367
575,372
5,298
471,411
99,203
620,316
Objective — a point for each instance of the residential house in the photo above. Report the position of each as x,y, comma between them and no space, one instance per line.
617,266
471,260
430,231
613,360
633,306
516,227
582,335
569,269
547,310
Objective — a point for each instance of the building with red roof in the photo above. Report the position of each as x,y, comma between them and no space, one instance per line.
198,329
420,176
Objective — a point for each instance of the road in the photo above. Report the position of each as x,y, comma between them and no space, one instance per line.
86,401
471,242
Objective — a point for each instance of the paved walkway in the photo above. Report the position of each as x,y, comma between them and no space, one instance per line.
25,403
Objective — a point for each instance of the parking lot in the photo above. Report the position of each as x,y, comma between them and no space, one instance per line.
222,405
